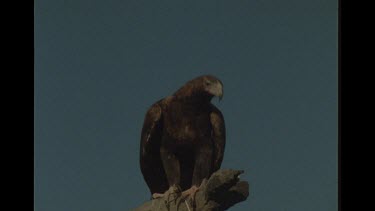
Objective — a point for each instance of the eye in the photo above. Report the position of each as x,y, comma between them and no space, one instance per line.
208,83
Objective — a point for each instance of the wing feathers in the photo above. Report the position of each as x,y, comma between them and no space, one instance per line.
218,136
150,161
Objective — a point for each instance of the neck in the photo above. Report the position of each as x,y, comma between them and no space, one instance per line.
188,96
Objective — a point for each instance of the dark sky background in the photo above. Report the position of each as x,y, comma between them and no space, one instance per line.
99,65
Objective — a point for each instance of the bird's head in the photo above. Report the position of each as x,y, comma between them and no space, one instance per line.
212,86
200,89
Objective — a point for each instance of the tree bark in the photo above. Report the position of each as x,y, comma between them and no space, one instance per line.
221,191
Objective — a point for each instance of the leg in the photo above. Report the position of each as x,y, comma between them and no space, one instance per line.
171,167
172,170
202,170
203,165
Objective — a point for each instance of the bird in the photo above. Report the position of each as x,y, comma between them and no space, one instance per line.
183,139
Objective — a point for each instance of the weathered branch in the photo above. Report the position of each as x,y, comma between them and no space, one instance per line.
221,191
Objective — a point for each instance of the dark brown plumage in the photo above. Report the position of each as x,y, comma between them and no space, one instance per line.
183,137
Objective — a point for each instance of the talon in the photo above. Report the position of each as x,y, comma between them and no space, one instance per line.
157,195
191,192
172,193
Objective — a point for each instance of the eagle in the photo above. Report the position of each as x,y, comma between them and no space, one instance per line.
183,139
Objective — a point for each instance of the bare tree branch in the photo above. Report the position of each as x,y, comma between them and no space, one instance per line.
221,191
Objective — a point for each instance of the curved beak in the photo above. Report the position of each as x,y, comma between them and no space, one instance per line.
218,90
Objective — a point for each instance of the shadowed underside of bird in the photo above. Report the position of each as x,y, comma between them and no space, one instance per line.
183,139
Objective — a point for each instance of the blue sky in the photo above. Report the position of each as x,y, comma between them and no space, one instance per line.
100,64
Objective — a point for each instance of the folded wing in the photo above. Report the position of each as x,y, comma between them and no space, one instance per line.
150,161
218,137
